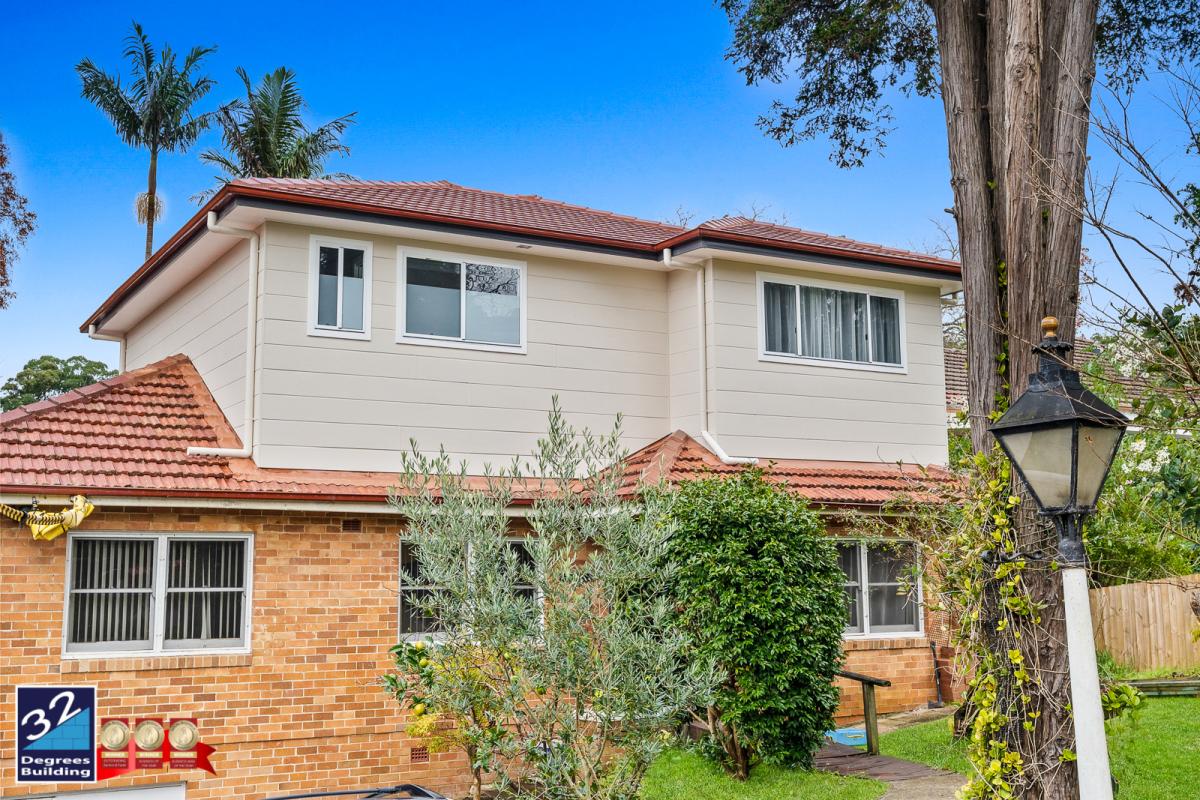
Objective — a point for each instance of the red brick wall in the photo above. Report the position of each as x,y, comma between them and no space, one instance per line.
303,711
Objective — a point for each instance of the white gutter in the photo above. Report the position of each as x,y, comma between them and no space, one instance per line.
709,440
104,337
247,451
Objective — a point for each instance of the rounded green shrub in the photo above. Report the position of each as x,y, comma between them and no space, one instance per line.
760,592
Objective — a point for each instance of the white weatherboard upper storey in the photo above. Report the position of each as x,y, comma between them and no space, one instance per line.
604,338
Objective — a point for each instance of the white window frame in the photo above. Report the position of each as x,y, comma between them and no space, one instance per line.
158,600
460,341
438,636
864,594
815,283
315,243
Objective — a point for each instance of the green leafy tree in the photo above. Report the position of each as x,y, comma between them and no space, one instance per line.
155,111
17,223
47,376
264,135
761,593
572,690
1016,81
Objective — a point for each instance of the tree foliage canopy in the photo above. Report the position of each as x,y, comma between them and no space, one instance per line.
47,376
17,222
844,57
761,592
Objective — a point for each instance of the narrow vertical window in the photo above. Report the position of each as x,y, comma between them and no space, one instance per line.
493,304
415,593
341,288
848,560
885,330
780,305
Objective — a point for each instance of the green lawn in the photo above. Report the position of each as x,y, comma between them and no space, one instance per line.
1155,757
680,775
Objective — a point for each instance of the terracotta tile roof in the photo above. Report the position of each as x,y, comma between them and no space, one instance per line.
680,457
129,436
442,202
451,201
786,235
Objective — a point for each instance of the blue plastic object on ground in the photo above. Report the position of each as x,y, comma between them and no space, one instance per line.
855,737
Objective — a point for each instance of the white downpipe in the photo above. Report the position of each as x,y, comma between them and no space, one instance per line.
104,337
709,440
1091,747
247,451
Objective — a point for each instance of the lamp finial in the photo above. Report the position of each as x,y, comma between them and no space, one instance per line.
1050,327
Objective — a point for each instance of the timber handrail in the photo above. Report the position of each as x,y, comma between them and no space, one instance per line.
870,716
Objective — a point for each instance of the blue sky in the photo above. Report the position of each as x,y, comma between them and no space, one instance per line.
624,106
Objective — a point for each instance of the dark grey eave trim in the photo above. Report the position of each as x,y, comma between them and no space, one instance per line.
436,227
833,261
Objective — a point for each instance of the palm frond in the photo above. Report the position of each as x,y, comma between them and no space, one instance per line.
106,93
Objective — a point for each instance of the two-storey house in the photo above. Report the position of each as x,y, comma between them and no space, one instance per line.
281,350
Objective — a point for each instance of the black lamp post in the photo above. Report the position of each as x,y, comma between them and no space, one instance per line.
1062,440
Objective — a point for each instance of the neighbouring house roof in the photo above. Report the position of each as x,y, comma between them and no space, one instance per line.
128,436
679,457
445,203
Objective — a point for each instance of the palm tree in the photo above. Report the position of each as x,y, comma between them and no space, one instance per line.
265,137
155,112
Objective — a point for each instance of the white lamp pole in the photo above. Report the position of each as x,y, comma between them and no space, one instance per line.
1062,440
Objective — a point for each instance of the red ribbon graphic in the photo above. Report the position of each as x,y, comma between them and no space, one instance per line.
110,764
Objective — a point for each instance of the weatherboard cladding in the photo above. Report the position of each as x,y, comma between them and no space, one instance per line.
129,436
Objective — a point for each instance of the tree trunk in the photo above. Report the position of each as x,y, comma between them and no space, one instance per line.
1016,85
151,202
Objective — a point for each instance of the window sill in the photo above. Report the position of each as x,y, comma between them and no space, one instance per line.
884,641
821,362
332,333
89,662
458,344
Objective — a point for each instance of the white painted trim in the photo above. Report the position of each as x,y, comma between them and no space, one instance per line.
460,342
315,242
158,601
817,283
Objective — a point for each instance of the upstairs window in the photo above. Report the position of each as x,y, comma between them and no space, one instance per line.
157,594
461,301
879,592
340,288
826,324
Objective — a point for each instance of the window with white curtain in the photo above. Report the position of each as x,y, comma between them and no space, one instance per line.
157,593
824,323
464,301
340,288
882,596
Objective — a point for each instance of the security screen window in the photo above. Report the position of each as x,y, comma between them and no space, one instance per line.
814,322
880,596
157,593
463,300
341,282
415,592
